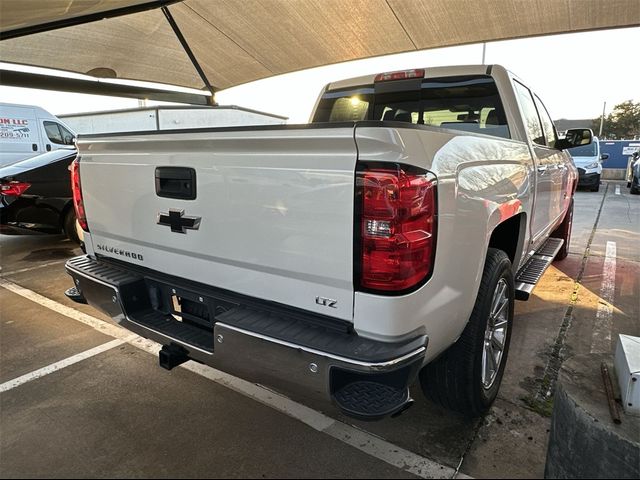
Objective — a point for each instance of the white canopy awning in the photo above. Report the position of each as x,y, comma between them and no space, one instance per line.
223,43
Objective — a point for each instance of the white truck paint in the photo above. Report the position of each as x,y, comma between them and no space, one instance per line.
275,224
29,130
279,211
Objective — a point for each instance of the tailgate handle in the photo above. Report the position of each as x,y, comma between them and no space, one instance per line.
176,182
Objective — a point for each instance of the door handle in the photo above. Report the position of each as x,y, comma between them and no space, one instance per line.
176,182
48,147
34,147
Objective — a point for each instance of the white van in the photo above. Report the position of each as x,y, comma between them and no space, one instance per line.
589,162
27,131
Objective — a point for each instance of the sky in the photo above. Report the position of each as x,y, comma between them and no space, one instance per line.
574,74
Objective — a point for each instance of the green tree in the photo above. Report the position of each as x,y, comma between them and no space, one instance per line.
623,123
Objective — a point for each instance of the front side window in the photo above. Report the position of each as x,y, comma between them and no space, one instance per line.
53,132
67,136
550,134
529,113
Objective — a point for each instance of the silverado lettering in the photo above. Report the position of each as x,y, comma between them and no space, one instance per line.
120,252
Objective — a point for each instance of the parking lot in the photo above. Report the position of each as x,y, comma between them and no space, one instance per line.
81,396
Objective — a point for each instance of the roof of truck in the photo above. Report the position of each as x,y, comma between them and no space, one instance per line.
430,72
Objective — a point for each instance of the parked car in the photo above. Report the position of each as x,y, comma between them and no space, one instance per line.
385,241
634,174
35,194
588,159
27,131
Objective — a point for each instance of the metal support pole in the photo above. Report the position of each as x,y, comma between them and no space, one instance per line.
484,53
602,120
189,52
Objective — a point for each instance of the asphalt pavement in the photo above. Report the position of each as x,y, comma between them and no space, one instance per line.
79,396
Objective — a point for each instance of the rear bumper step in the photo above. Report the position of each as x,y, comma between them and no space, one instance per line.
366,379
531,272
366,399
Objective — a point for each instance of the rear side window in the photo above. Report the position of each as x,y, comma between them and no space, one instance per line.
547,124
530,114
469,103
344,106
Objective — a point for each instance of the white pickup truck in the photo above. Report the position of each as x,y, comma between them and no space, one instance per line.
384,241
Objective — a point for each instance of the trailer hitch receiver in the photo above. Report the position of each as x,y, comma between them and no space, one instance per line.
172,356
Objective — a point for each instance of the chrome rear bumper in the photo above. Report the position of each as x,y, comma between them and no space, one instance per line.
366,379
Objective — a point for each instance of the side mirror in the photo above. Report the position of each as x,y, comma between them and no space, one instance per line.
575,137
604,156
68,140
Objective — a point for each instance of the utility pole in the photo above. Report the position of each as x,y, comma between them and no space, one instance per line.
604,107
484,52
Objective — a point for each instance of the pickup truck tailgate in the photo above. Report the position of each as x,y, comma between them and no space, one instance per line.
276,209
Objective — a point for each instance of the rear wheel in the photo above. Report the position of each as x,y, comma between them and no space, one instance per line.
466,378
70,226
635,186
564,232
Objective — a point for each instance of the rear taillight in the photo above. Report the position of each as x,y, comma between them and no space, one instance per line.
76,189
13,188
397,227
401,75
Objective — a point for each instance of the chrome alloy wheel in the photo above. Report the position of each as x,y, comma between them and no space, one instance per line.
495,334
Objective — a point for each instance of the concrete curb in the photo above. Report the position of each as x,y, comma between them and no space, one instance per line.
584,442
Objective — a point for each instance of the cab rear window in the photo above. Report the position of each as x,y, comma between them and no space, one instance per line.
469,103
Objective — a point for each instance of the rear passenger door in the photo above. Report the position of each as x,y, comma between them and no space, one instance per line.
560,172
545,163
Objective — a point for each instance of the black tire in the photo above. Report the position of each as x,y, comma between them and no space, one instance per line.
564,232
69,226
596,187
454,380
635,186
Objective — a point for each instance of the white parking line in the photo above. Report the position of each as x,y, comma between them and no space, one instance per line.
28,269
54,367
601,341
617,189
348,434
100,325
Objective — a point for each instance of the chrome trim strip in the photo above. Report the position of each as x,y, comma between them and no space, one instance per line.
376,366
524,287
368,365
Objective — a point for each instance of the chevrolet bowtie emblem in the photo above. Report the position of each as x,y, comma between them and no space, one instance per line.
178,222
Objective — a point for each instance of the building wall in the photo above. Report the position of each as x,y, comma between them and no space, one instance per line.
619,151
167,118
